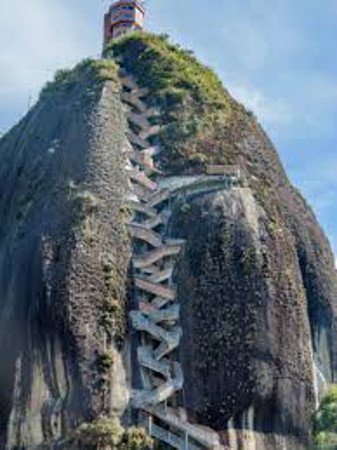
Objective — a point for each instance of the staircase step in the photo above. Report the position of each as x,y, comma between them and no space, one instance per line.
142,208
141,192
140,177
151,257
143,234
137,140
156,289
170,314
152,131
180,242
169,438
159,197
160,219
133,100
152,112
146,359
170,338
140,158
163,275
144,161
150,270
159,302
206,437
139,120
169,344
163,392
141,92
129,82
172,439
152,151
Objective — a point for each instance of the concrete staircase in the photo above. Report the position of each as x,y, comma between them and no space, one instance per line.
154,260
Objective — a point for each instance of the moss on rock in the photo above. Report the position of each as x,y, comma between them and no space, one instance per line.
192,99
108,433
97,71
100,433
325,420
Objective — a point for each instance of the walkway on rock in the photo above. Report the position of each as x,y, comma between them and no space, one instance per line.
154,260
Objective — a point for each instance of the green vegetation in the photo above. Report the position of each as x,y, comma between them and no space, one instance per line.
105,362
86,204
95,70
112,308
175,75
101,433
136,439
109,433
193,101
325,420
248,258
201,123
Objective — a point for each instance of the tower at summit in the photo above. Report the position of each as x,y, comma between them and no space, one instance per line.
123,16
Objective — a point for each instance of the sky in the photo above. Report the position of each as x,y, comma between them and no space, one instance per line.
278,57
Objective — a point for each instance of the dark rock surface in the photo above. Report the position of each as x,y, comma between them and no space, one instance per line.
257,282
63,251
246,345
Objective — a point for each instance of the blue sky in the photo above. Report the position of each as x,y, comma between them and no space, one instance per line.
277,57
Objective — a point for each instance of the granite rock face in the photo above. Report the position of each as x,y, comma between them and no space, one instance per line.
63,251
256,282
257,286
246,345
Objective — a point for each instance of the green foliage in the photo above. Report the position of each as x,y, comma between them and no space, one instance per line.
112,309
248,258
87,202
171,72
95,70
325,420
111,278
135,439
192,98
102,432
105,362
108,432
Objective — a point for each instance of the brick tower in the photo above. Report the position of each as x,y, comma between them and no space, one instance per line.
123,16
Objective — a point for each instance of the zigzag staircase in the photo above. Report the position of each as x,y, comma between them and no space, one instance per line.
154,261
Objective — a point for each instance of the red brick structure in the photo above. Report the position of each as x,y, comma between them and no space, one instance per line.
123,16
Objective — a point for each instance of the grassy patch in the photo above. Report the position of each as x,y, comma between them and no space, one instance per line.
136,439
105,362
325,420
102,432
86,204
97,71
107,432
192,99
248,259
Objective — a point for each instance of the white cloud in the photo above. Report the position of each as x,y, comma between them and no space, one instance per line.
272,112
246,44
266,47
293,106
37,38
261,33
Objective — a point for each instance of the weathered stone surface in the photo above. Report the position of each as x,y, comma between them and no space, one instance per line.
256,278
64,255
247,343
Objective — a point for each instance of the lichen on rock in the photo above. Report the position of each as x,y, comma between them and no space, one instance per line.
256,283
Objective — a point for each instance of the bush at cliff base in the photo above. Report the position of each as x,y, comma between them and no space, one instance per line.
325,420
108,433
